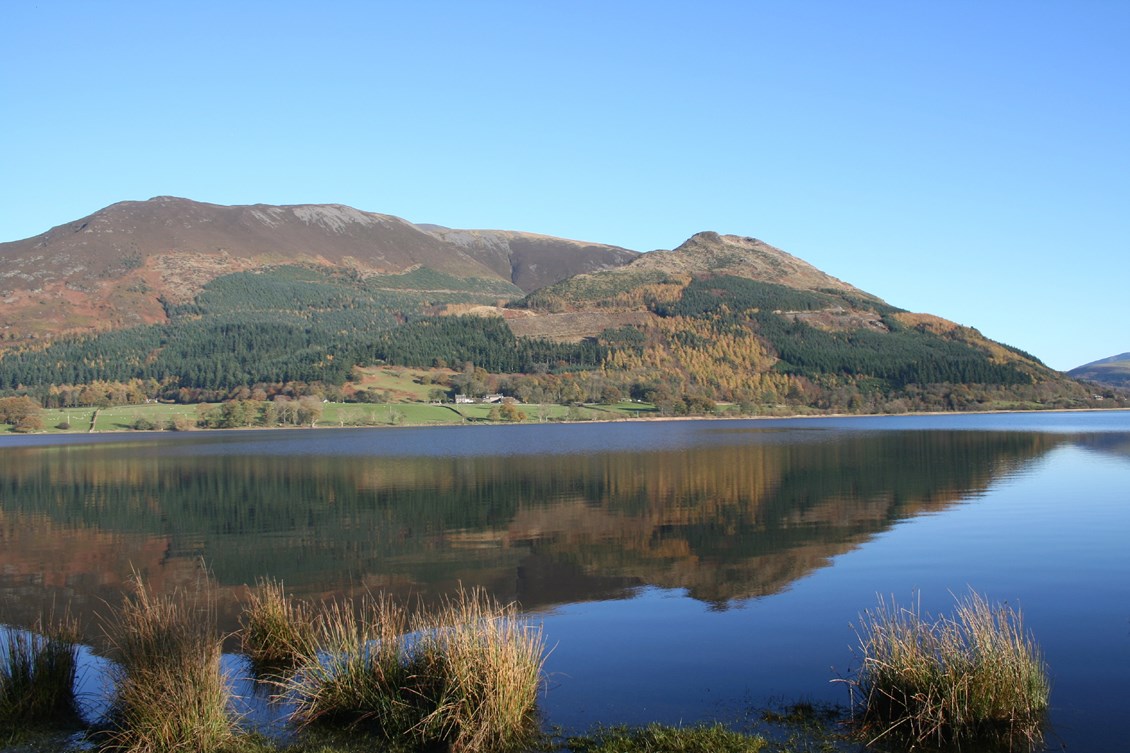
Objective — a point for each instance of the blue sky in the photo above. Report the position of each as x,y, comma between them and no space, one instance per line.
966,159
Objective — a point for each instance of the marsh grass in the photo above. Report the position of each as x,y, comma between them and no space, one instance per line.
170,693
353,669
977,674
37,675
486,664
274,628
466,676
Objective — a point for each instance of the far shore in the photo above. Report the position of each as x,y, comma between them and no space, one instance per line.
117,420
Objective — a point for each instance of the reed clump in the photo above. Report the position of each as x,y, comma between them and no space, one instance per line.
170,693
274,628
976,674
466,676
37,675
485,664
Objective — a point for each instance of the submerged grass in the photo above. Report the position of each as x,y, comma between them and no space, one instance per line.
661,738
976,674
170,693
466,677
37,675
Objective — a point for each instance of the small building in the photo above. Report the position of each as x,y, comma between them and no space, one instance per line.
464,399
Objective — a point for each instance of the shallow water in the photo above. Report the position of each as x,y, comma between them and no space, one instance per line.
684,571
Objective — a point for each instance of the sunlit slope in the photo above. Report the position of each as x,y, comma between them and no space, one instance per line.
737,319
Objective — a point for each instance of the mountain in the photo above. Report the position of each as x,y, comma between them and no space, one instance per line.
116,267
1114,370
737,319
191,301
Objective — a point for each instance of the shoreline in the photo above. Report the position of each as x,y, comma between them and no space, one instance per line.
481,422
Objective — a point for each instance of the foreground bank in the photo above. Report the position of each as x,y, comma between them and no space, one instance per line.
467,677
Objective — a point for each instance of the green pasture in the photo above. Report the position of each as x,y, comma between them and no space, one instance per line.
125,417
116,418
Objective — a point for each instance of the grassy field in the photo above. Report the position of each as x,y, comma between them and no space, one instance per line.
401,383
117,418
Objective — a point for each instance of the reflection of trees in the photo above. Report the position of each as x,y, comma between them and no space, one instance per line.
725,522
734,522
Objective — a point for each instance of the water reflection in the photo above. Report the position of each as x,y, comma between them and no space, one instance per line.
739,514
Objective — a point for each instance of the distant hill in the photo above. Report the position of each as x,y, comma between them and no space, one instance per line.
189,301
1114,370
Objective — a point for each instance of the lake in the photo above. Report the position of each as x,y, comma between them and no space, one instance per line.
683,570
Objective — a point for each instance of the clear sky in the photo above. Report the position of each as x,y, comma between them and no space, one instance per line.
968,159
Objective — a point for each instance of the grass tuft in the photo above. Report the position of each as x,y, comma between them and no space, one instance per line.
466,677
354,669
484,666
170,693
976,674
275,629
37,675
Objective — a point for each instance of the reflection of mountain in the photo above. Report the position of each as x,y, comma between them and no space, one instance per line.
726,522
1116,445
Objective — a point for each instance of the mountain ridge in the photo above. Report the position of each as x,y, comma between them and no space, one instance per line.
115,267
199,301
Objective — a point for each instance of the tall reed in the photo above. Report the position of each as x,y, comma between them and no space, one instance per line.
170,693
487,664
975,674
37,674
274,628
466,676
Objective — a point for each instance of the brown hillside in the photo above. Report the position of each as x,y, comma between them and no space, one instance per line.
112,268
131,234
533,261
711,253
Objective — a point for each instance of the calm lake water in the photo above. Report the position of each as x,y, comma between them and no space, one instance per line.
684,571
